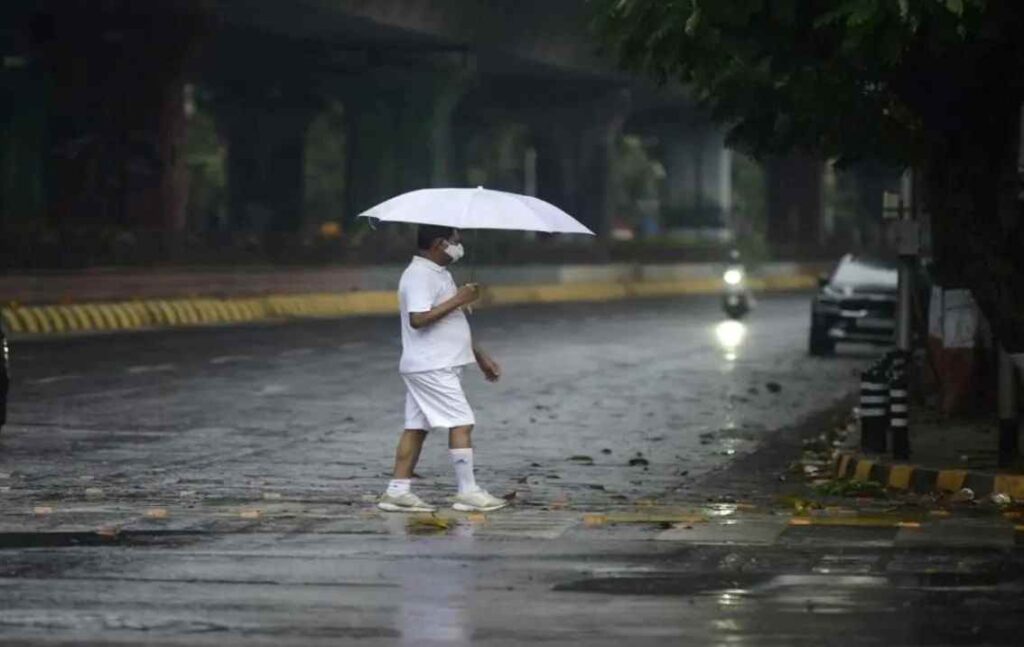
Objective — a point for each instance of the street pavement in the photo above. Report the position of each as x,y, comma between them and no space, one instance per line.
216,487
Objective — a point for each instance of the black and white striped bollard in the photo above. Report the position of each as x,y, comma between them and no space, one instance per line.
874,410
899,410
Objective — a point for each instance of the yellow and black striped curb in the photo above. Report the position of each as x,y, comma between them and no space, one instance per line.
925,480
121,316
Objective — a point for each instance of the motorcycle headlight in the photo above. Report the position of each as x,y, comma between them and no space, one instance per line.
733,277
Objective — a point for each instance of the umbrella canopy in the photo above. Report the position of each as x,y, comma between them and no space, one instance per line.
477,208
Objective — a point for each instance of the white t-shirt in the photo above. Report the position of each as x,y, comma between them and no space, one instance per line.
445,343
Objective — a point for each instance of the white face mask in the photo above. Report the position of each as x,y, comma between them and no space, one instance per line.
455,252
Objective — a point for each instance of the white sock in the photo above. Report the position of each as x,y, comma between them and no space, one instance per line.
398,487
462,461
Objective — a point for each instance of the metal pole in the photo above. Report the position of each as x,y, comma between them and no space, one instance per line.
903,315
907,250
1008,423
899,384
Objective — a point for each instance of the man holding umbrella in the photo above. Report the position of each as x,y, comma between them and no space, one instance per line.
436,346
436,342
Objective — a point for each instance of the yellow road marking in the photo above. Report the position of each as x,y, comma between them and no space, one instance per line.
865,522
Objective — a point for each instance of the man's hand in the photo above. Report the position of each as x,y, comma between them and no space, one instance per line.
468,293
491,369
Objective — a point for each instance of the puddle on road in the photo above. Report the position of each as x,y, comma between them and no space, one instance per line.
738,586
163,539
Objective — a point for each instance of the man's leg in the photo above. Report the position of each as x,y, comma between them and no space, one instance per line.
460,437
460,450
408,453
399,497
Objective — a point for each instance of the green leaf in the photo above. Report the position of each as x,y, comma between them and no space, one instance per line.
955,6
693,21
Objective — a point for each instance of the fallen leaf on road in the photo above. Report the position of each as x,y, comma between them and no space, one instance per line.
429,523
157,513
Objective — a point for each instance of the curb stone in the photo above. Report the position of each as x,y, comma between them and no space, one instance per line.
924,480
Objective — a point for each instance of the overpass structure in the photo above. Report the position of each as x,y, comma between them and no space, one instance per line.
98,98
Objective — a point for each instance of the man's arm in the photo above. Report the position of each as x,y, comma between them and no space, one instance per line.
467,294
491,369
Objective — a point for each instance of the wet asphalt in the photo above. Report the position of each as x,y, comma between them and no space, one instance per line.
216,486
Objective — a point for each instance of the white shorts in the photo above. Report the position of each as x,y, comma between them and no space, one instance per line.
435,399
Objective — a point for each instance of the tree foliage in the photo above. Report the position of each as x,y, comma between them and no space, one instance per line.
934,84
851,79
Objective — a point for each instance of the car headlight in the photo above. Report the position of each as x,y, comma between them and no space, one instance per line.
733,277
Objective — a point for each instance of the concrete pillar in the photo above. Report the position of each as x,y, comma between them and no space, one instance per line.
400,132
795,202
575,147
117,121
698,175
23,142
265,126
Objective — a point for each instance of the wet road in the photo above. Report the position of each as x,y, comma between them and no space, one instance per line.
216,486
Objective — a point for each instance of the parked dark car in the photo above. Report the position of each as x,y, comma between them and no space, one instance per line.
4,377
856,303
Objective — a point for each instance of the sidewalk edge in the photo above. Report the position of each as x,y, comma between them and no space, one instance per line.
925,480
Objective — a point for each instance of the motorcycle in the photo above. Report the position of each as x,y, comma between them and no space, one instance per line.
736,299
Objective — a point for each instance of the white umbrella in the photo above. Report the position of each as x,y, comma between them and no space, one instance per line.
477,208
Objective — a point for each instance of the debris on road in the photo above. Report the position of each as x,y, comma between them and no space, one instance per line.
851,488
963,496
1001,499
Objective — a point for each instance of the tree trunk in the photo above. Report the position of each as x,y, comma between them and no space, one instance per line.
972,196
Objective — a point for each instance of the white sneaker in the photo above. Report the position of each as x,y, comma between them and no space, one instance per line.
478,501
407,502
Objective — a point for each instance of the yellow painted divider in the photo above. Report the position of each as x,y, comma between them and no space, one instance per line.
149,313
